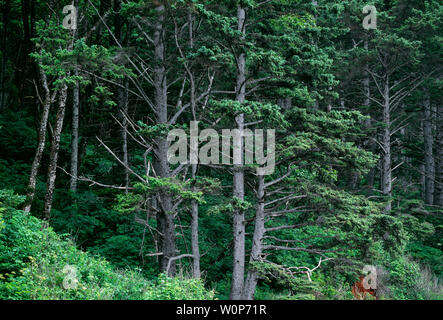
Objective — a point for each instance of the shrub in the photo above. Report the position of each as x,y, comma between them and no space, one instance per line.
408,280
33,262
167,288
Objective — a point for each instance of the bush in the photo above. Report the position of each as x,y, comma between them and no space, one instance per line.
36,263
167,288
408,280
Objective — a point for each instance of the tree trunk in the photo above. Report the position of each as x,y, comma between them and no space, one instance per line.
371,144
353,180
354,176
165,217
41,142
4,57
53,159
27,44
194,204
386,184
194,232
238,269
74,144
428,151
438,190
257,241
122,96
123,107
403,158
75,127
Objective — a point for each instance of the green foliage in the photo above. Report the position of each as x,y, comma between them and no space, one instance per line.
427,255
404,276
167,288
32,260
306,66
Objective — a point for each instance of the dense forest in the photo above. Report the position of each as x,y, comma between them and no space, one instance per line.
329,119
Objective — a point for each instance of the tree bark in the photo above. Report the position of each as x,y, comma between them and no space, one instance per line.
26,6
386,143
123,108
4,56
53,159
122,96
238,269
194,204
75,127
194,232
165,217
428,151
438,190
41,141
257,241
366,102
74,144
